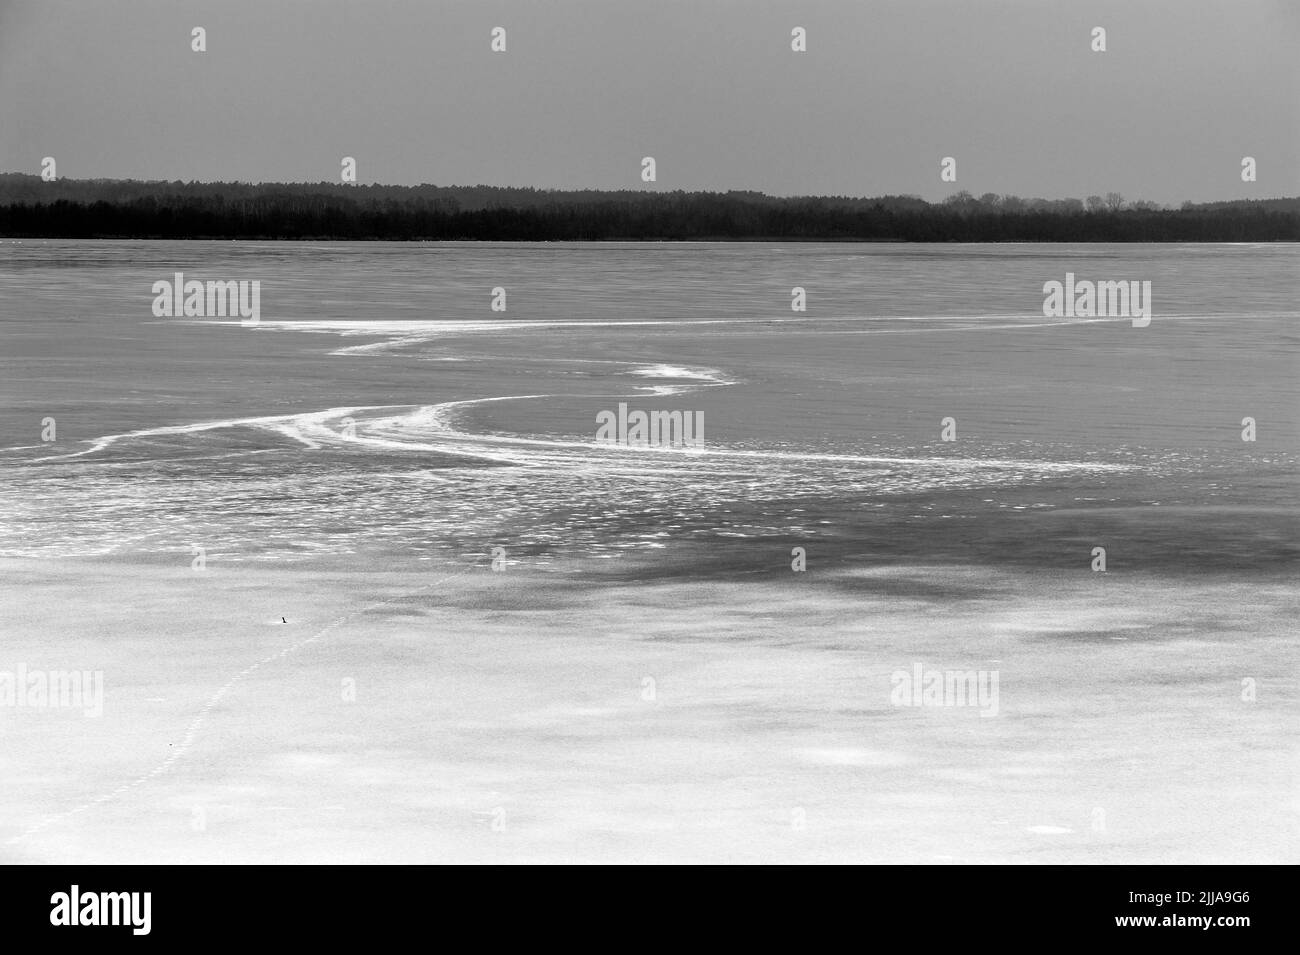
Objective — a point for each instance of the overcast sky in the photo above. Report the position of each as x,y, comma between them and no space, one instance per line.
710,88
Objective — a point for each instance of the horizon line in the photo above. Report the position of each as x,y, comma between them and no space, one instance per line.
977,198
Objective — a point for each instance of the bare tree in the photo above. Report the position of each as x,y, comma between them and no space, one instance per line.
1114,201
1096,203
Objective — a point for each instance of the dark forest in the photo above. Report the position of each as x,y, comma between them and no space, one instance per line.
99,208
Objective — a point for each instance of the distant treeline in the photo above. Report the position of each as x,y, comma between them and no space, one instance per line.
100,208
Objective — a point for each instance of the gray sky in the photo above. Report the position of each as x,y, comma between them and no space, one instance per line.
710,88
